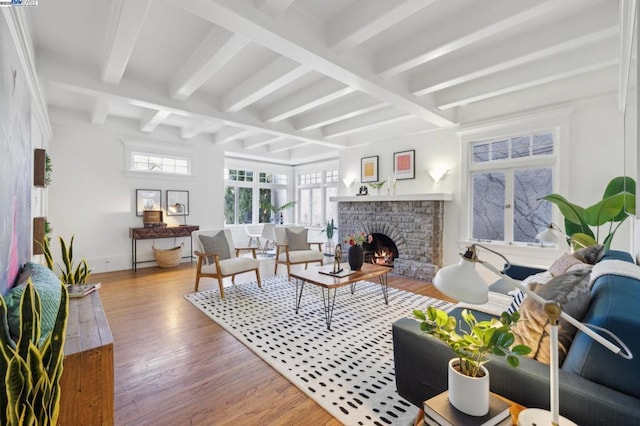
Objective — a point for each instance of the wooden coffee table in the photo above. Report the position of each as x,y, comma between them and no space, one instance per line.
328,283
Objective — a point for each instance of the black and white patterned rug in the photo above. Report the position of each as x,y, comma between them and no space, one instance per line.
347,370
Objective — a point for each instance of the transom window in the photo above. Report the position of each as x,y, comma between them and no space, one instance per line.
154,163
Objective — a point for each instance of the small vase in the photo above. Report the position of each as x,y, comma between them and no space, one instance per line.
468,394
356,257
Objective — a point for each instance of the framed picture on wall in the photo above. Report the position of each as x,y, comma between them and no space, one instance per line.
177,203
369,169
148,199
404,164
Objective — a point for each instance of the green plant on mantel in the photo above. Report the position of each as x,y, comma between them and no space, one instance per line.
474,345
70,274
377,185
32,369
618,202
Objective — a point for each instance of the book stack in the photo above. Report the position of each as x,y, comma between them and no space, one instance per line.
438,411
81,290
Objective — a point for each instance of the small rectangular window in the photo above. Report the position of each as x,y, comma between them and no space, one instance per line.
164,164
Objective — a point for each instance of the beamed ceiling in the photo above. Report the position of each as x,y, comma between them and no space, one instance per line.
294,81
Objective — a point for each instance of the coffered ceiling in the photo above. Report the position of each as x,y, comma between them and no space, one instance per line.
294,81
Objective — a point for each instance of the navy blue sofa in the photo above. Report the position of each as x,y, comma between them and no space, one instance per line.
597,387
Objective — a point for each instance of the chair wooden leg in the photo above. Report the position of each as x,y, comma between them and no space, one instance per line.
288,270
197,281
221,287
233,279
258,278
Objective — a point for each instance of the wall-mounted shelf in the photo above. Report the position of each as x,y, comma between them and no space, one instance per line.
38,234
438,196
39,167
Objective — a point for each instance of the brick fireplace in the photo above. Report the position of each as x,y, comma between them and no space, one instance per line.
414,224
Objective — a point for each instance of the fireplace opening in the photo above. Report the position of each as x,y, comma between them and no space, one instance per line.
380,249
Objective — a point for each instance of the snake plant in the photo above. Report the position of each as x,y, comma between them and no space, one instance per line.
32,370
68,275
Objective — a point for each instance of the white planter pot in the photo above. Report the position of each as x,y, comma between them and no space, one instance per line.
468,394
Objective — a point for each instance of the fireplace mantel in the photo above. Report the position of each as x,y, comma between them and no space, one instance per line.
441,196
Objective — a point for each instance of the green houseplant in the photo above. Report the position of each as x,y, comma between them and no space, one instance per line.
32,369
70,274
617,203
330,228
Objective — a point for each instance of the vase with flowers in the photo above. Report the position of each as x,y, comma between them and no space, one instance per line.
356,252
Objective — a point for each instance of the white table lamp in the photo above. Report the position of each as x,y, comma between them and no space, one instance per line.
462,282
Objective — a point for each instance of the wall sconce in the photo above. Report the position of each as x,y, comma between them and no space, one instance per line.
438,173
348,181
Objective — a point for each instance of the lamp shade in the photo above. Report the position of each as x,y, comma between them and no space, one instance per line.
462,282
548,235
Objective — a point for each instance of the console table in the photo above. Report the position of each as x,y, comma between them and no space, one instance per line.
158,232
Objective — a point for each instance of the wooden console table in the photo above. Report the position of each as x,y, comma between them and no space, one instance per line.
155,233
86,384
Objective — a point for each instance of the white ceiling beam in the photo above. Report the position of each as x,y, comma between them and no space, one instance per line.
261,140
273,7
200,127
230,134
365,122
352,107
100,111
627,24
288,146
145,94
509,54
299,43
125,24
530,75
152,119
366,19
311,97
471,27
213,53
275,75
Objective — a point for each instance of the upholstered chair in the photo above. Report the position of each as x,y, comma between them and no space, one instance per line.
293,248
219,258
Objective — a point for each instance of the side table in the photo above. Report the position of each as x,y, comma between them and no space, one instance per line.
156,233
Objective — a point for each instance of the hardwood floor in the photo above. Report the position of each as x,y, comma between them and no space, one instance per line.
175,366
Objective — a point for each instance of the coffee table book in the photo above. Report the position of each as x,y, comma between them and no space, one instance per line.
438,411
81,290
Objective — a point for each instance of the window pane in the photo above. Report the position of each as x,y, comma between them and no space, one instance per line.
499,150
305,206
543,144
480,152
316,204
488,206
332,206
264,216
245,205
229,205
531,216
520,146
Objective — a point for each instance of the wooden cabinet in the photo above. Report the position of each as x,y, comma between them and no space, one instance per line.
87,382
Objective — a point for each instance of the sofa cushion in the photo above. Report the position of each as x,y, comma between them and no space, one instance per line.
215,244
297,240
614,306
591,254
571,291
519,296
49,289
562,264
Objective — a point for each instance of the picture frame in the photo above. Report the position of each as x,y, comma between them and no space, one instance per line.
369,169
148,199
177,203
404,164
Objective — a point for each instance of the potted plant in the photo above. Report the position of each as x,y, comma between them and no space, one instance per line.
377,186
68,275
468,378
356,252
330,228
618,202
268,207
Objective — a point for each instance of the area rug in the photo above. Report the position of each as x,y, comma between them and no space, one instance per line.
348,370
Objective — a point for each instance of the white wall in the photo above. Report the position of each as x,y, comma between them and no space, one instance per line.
596,155
93,197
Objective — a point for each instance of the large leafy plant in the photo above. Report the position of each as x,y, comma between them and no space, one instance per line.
32,369
474,345
618,202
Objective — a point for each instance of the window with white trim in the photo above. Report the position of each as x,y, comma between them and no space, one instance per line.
507,178
314,190
254,196
162,164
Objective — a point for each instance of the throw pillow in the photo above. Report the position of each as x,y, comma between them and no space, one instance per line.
215,244
519,295
571,291
49,289
591,254
297,240
562,264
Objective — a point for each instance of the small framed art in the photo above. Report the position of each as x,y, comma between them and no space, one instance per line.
177,203
369,169
404,164
148,199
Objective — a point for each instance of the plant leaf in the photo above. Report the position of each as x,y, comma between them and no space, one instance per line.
571,212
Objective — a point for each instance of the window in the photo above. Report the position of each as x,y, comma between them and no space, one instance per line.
153,163
507,178
314,190
254,196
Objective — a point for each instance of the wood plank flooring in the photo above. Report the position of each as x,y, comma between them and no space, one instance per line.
175,366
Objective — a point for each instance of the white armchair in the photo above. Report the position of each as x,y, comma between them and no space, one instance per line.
219,258
292,248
